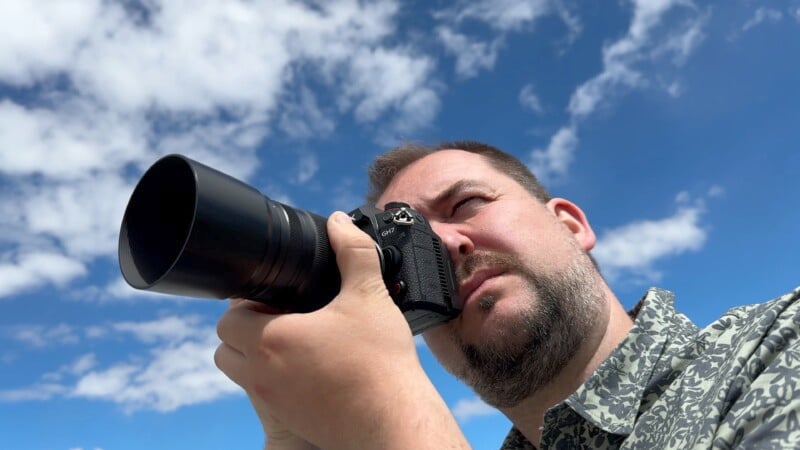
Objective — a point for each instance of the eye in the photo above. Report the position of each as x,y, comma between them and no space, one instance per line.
465,204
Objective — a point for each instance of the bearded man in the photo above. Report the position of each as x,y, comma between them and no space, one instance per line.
541,336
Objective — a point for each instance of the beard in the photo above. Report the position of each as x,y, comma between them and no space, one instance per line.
530,349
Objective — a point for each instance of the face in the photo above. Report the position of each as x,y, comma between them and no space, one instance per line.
527,286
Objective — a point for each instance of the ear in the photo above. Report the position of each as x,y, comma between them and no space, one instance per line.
575,220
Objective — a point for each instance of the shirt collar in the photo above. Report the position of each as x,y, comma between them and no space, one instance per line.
611,397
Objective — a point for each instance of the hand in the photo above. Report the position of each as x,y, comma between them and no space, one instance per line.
345,376
278,437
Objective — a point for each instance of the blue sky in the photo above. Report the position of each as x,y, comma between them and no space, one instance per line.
673,123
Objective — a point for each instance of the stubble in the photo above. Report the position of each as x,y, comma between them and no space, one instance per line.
533,347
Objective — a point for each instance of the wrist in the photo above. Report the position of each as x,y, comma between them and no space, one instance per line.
406,411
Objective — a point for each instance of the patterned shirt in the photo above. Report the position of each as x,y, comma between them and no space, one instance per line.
670,385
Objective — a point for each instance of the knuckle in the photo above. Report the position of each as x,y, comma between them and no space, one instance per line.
221,327
218,357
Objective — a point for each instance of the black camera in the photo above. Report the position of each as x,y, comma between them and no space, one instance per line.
194,231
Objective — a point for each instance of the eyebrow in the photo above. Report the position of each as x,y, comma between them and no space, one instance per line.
454,189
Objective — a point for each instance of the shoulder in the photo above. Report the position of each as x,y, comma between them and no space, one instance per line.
779,316
763,398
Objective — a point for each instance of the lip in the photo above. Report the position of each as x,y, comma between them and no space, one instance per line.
468,288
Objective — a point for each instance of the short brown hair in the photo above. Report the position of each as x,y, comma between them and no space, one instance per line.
386,166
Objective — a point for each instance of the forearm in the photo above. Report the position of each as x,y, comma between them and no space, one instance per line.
421,421
405,411
295,443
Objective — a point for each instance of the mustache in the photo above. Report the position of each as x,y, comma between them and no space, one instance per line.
479,260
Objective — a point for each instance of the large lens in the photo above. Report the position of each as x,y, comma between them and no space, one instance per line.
191,230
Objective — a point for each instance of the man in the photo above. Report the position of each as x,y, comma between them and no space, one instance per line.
541,335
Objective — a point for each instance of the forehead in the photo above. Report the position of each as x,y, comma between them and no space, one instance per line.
421,181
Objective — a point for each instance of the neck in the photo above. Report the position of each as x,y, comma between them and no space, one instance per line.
614,325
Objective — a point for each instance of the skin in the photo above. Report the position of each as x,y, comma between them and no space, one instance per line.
343,377
304,395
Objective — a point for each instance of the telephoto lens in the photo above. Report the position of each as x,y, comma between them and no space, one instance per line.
194,231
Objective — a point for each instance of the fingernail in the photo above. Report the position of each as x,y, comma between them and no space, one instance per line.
341,217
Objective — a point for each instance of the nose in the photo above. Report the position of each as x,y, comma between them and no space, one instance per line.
456,239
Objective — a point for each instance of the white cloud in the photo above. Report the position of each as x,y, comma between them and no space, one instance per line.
503,15
308,165
675,89
635,248
383,80
167,329
529,100
38,392
77,367
176,375
471,55
31,34
715,191
469,408
554,161
83,215
85,138
571,21
116,85
35,270
762,15
177,370
41,336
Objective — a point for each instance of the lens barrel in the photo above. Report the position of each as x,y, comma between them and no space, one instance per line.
194,231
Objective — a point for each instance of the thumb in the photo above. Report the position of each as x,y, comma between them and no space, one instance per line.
356,255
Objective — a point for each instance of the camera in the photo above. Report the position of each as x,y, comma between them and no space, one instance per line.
194,231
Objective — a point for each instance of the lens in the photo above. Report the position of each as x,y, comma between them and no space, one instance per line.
159,219
191,230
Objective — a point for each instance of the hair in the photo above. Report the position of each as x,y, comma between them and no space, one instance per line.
386,166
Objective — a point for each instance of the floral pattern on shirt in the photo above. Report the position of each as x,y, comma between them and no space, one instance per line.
670,385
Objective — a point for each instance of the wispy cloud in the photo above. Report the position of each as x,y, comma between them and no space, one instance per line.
474,54
554,161
467,409
177,369
502,15
529,100
41,336
635,249
627,65
307,167
762,15
302,117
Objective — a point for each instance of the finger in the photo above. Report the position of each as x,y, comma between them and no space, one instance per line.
255,306
232,363
242,327
356,253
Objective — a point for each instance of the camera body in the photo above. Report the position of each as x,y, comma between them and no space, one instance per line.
416,269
